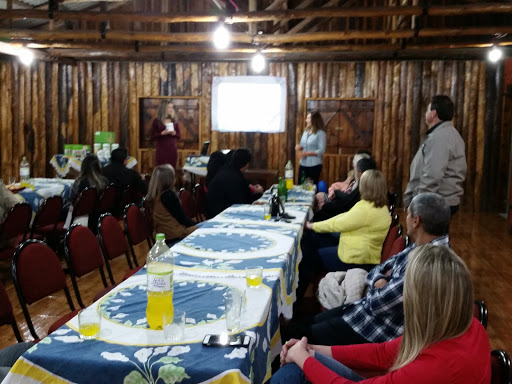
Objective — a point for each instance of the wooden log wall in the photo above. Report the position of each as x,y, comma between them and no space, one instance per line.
50,104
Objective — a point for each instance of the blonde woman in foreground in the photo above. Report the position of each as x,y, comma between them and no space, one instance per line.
442,342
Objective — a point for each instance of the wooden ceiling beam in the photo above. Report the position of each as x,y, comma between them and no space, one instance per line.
243,38
248,17
101,48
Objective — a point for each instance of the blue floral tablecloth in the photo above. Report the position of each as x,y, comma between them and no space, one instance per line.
208,262
40,189
196,165
63,163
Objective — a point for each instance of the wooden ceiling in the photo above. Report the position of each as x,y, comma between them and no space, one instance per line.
293,30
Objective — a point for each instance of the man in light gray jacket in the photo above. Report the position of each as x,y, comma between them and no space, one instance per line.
440,163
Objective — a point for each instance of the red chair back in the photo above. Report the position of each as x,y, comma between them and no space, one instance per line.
37,273
112,237
16,222
129,196
200,196
135,224
397,247
85,203
500,367
109,199
37,270
47,216
7,314
83,250
188,203
148,215
388,243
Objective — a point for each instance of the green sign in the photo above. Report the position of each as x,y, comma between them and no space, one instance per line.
104,137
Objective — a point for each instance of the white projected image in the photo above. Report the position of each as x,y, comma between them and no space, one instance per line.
249,104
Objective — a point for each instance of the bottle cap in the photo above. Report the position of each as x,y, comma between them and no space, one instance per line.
160,236
24,158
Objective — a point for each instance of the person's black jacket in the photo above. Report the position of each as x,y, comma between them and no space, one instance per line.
228,187
172,203
341,203
120,175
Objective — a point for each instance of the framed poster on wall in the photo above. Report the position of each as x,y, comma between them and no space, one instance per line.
185,111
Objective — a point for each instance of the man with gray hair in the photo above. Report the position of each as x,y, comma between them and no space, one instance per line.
379,316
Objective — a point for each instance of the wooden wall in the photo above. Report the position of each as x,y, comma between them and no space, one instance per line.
50,104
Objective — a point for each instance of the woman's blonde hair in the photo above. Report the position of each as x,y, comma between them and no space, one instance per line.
162,111
373,187
317,123
162,179
438,300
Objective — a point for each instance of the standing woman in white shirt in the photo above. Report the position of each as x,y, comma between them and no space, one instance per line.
311,148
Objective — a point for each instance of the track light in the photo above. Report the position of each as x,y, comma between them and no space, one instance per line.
495,54
221,37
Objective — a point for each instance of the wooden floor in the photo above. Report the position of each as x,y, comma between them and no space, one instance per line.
482,240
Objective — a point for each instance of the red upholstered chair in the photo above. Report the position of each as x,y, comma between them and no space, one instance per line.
84,205
83,255
113,241
500,367
14,228
46,222
480,312
200,196
37,273
388,243
7,314
398,246
136,228
148,215
109,200
188,203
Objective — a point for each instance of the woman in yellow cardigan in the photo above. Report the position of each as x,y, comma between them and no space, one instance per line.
362,232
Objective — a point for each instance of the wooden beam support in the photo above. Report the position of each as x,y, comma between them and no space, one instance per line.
204,37
248,17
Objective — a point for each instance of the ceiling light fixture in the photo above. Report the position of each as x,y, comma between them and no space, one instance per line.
25,55
495,54
258,62
221,37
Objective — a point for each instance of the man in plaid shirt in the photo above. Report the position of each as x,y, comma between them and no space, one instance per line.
379,316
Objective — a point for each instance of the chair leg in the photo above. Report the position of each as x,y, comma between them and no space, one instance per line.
70,302
102,273
16,331
29,321
77,292
129,260
134,256
109,271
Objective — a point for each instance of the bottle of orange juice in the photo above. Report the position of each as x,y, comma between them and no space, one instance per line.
288,174
160,269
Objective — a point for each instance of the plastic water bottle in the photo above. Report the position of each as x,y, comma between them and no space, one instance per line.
282,192
160,289
24,169
288,174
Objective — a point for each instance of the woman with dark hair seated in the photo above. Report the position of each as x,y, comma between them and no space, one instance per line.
217,160
230,186
90,177
441,343
168,215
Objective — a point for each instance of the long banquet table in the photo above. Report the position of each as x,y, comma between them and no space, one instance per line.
209,261
42,188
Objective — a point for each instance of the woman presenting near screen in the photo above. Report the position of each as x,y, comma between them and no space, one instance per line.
165,131
311,148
